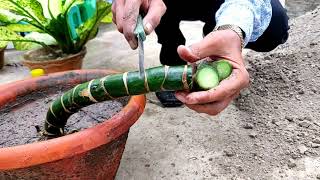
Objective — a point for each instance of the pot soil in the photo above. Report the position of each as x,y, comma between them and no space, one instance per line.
1,58
92,153
42,59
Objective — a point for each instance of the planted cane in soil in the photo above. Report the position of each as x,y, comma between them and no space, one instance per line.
20,121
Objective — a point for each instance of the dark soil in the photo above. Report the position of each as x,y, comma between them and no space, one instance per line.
18,121
300,7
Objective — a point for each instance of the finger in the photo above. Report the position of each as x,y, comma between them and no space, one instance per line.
236,81
156,10
211,108
131,13
119,8
114,12
209,46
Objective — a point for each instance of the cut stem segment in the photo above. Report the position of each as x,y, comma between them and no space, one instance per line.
130,83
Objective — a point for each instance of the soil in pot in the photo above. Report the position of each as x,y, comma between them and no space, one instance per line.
20,121
50,63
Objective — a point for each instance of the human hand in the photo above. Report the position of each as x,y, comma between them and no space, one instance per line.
125,14
218,44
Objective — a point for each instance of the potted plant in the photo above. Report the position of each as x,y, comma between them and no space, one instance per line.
55,32
93,153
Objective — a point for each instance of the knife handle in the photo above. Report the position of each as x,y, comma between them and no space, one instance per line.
139,30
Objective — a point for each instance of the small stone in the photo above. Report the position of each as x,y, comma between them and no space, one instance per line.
245,92
301,91
240,169
302,149
275,122
315,145
309,55
316,140
314,89
267,58
291,163
295,156
147,165
289,118
253,135
304,124
229,153
210,159
298,80
248,126
318,176
173,164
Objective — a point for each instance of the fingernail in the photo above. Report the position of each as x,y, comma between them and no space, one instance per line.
148,28
132,44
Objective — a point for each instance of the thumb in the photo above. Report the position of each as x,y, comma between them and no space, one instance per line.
215,44
199,50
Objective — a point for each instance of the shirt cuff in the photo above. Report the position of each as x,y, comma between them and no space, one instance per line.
240,15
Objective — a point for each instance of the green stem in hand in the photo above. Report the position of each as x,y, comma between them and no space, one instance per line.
130,83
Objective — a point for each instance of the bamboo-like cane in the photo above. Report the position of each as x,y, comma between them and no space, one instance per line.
114,86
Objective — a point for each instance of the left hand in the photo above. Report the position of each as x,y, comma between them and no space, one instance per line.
218,44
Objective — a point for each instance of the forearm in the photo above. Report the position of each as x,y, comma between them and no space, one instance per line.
252,16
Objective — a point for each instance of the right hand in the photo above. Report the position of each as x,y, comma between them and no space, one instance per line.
125,14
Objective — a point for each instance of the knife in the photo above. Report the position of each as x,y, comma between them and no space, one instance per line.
141,36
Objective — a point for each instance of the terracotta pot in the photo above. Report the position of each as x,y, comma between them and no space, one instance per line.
71,62
93,153
1,58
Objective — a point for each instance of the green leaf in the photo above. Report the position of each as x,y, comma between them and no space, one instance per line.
28,8
8,17
8,35
25,43
51,6
103,8
39,37
23,46
89,29
3,44
23,28
108,18
68,3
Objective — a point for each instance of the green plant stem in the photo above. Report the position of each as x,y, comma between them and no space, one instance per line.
130,83
114,86
49,10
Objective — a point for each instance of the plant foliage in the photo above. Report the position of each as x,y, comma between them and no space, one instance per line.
46,23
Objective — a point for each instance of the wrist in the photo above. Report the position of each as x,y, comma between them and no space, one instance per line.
236,31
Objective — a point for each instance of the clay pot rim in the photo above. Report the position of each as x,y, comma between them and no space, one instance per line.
28,59
27,155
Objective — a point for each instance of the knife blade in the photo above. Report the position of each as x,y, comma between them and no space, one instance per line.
141,57
141,36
